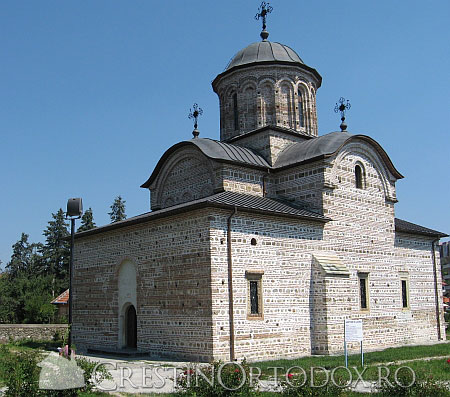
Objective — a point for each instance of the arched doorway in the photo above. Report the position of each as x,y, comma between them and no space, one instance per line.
131,327
127,305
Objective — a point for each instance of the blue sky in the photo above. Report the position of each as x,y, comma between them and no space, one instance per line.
93,92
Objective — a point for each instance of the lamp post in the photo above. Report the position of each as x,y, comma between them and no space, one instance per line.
74,211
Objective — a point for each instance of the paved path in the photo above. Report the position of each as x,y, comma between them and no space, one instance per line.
413,359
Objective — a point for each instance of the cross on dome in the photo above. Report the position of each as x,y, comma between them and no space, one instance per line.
341,107
194,115
264,9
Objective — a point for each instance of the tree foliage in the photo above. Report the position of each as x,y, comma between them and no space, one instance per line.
87,221
117,210
35,274
56,251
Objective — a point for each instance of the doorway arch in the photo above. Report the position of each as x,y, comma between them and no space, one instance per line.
131,327
127,336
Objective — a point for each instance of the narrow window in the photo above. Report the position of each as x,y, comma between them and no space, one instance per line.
363,291
254,298
404,294
358,177
300,109
404,284
255,306
235,112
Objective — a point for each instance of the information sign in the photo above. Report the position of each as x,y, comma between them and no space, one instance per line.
353,331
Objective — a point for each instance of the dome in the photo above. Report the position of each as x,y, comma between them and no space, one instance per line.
264,51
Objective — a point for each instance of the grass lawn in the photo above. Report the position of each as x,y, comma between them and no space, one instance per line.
426,366
31,344
439,368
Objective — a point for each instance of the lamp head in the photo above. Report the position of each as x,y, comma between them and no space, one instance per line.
74,207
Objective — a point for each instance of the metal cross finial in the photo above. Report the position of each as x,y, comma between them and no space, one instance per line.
194,115
264,9
341,106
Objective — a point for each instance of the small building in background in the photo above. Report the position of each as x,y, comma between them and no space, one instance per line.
62,302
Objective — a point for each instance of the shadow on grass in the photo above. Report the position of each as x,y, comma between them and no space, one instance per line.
25,344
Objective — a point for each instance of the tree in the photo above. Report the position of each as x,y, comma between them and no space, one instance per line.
117,210
20,258
8,304
25,259
56,251
87,221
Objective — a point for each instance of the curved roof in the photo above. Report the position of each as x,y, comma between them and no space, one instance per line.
264,51
215,150
325,146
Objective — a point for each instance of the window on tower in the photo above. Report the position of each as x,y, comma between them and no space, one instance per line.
301,117
235,112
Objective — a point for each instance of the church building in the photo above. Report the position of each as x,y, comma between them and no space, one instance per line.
259,245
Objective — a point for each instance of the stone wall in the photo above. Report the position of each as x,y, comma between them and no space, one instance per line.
282,255
242,180
31,331
302,184
171,257
268,143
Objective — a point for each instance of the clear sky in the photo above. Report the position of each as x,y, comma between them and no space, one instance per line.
93,92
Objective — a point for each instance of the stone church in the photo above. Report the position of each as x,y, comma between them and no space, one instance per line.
260,245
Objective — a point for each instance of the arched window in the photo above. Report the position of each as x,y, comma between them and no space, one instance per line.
301,117
250,109
359,177
287,113
235,112
268,105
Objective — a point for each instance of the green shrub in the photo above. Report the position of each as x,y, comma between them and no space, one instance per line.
19,373
91,379
418,386
222,379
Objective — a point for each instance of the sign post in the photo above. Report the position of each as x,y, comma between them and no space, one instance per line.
353,333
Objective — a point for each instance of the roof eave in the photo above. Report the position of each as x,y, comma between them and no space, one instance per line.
155,215
428,234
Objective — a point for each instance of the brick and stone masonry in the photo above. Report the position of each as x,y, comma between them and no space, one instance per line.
305,222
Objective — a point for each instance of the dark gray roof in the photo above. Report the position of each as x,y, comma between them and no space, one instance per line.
412,228
264,51
324,146
215,150
263,204
225,200
311,149
224,151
